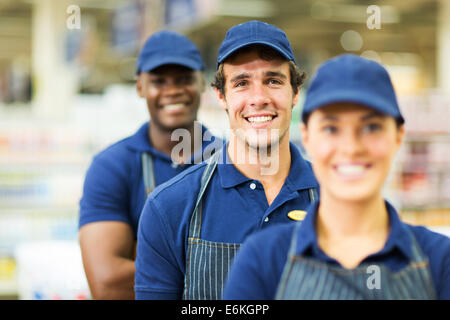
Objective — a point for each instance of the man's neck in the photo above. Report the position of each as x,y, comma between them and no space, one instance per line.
270,167
162,141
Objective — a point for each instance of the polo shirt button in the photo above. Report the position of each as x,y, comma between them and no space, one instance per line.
252,186
266,219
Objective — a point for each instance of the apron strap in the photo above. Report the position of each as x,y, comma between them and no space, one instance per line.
289,261
418,255
293,245
313,196
148,172
195,221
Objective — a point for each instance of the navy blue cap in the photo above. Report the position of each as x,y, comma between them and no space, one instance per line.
350,78
168,47
254,32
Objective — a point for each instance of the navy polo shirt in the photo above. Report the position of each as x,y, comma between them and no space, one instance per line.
233,207
114,186
257,268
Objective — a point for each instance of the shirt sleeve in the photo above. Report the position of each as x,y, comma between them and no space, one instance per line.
251,274
444,285
105,193
158,274
436,247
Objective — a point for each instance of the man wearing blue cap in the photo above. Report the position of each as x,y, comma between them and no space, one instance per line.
352,244
186,243
170,79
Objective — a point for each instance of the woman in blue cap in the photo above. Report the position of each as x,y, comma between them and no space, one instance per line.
351,244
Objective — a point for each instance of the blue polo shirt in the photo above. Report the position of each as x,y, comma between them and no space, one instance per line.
233,207
114,186
257,268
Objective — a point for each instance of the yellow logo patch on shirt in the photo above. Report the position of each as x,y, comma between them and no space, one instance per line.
297,215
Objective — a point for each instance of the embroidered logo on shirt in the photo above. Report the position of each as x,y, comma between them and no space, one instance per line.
297,215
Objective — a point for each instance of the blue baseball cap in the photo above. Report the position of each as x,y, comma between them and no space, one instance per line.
254,32
350,78
168,47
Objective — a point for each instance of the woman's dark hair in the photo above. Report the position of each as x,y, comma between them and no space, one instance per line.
266,53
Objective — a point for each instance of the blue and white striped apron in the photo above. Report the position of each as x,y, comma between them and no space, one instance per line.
208,262
306,278
148,172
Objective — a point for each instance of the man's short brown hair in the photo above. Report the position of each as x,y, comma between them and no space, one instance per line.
266,53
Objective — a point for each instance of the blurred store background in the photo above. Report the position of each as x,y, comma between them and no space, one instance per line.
67,91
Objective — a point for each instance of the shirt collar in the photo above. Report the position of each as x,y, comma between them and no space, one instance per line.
399,235
229,175
300,174
140,142
398,239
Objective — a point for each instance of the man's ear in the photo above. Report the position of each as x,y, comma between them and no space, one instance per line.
139,88
296,97
221,97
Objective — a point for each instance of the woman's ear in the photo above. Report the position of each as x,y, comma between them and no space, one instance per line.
304,134
400,135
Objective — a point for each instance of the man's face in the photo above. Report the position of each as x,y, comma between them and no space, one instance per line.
172,93
258,99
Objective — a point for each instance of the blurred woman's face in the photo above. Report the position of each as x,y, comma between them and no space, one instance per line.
351,148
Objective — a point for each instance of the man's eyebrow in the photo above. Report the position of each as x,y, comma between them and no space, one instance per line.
240,77
275,74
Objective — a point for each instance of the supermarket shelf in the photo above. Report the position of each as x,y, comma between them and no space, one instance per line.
8,289
48,210
439,217
426,137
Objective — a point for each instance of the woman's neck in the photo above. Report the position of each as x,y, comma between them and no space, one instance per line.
350,231
346,218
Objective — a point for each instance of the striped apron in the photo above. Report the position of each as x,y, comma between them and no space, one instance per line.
208,262
148,172
309,279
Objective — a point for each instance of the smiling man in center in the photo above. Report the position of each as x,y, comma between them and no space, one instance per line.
192,226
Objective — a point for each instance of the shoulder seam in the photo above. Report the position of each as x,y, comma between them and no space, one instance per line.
176,179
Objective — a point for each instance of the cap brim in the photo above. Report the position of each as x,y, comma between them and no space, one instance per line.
351,96
229,52
182,61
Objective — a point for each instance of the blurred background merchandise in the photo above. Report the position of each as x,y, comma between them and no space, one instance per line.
67,91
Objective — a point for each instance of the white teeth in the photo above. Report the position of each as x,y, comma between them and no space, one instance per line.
351,169
260,119
172,107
